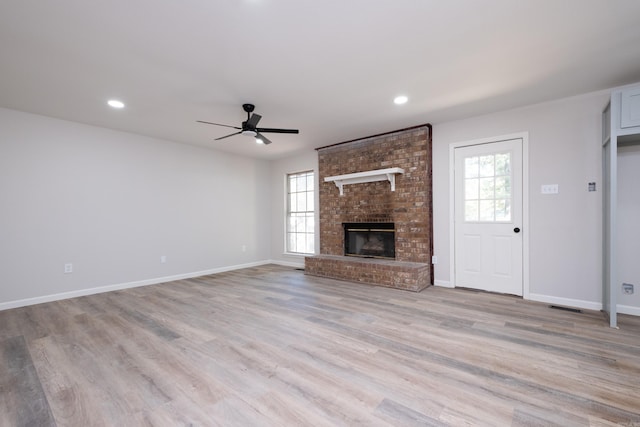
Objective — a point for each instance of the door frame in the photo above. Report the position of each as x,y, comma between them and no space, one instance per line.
524,136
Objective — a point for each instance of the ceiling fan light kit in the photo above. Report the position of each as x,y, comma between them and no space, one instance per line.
249,127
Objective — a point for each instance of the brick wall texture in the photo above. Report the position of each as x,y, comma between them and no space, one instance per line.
409,207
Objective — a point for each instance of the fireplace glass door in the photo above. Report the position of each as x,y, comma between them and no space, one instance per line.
370,240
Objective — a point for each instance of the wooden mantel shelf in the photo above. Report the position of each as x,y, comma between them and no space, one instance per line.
368,176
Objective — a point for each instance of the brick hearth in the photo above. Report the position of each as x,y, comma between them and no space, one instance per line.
408,207
410,276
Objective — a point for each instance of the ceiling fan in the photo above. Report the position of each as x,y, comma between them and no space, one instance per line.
249,127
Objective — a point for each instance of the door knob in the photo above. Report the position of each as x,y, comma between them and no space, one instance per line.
516,230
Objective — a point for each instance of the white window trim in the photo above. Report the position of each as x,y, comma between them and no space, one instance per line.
286,213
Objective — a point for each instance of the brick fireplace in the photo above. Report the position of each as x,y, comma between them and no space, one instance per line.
404,159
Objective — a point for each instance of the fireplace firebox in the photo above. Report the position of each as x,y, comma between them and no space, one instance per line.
370,240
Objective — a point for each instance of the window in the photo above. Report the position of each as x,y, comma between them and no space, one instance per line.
300,213
487,188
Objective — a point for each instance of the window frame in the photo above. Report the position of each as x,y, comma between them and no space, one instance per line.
479,198
306,213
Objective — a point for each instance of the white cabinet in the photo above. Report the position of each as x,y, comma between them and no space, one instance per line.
630,108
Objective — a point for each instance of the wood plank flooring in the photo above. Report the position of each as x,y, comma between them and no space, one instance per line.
269,346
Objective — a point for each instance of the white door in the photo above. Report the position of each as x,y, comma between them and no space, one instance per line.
488,217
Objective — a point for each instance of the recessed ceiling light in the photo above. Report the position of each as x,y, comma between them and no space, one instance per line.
115,103
399,100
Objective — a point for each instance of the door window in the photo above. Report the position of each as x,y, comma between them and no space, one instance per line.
487,188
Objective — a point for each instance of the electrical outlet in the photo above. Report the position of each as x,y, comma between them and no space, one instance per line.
434,259
68,268
627,288
163,259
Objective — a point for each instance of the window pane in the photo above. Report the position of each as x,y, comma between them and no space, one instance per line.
503,164
301,242
486,188
310,224
471,211
293,206
310,201
291,242
486,166
310,244
302,183
310,182
471,191
503,187
487,210
471,167
292,184
301,202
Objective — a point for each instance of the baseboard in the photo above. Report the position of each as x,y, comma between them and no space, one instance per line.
287,263
628,309
443,283
567,302
101,289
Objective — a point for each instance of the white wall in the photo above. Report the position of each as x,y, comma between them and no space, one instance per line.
628,231
565,229
112,203
304,161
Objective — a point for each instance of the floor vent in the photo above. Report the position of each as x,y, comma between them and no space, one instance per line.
300,269
573,310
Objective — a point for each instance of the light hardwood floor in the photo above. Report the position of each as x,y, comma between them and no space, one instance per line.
271,346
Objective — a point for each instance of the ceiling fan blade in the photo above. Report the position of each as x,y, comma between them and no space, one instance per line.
227,136
253,120
273,130
218,124
263,138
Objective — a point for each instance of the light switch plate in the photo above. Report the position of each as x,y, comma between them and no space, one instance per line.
549,189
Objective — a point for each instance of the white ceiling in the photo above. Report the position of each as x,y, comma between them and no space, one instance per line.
330,68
